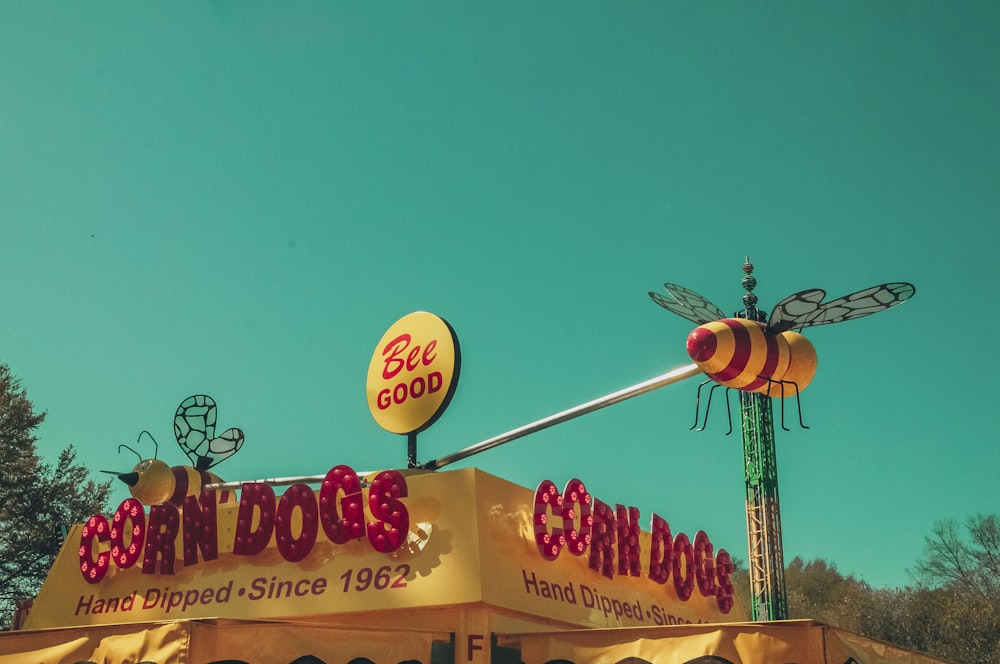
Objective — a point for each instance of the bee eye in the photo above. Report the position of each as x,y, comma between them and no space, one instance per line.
145,465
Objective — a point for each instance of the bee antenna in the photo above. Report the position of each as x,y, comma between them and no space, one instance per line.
156,445
130,450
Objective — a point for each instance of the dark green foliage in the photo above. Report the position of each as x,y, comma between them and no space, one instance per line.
37,500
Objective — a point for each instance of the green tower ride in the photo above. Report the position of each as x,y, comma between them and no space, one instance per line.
767,565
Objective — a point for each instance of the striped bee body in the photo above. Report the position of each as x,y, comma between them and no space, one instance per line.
153,482
188,481
743,354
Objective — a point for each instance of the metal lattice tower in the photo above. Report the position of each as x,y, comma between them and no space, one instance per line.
767,564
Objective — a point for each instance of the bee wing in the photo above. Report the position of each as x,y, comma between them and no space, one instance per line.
805,309
194,427
794,309
687,304
225,446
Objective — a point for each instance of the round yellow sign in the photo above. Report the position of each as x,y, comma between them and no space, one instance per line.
413,373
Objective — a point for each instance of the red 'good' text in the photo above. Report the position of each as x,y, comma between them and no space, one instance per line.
575,521
338,510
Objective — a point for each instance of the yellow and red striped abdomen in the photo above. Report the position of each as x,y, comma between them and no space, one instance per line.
189,481
736,352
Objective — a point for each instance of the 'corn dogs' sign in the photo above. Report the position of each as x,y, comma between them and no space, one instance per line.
393,539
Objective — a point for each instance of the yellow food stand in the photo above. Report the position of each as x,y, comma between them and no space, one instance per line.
475,579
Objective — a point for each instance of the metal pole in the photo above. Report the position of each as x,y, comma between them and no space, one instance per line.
615,397
655,383
273,481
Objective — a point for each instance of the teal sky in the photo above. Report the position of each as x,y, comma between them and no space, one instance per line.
239,198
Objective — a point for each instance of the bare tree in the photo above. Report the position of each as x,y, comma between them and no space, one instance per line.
970,567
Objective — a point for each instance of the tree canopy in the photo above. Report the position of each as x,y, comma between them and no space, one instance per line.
37,500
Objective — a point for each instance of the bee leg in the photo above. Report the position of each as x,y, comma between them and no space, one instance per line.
729,413
782,384
697,404
708,407
798,403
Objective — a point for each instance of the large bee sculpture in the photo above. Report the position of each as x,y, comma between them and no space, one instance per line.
153,482
769,358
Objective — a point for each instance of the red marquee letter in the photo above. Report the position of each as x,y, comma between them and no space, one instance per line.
392,521
575,497
723,570
350,523
163,523
548,514
255,496
628,541
96,527
704,565
298,496
200,528
602,545
660,564
683,554
129,519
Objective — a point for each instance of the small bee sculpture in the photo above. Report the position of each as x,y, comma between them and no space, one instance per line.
153,482
770,358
